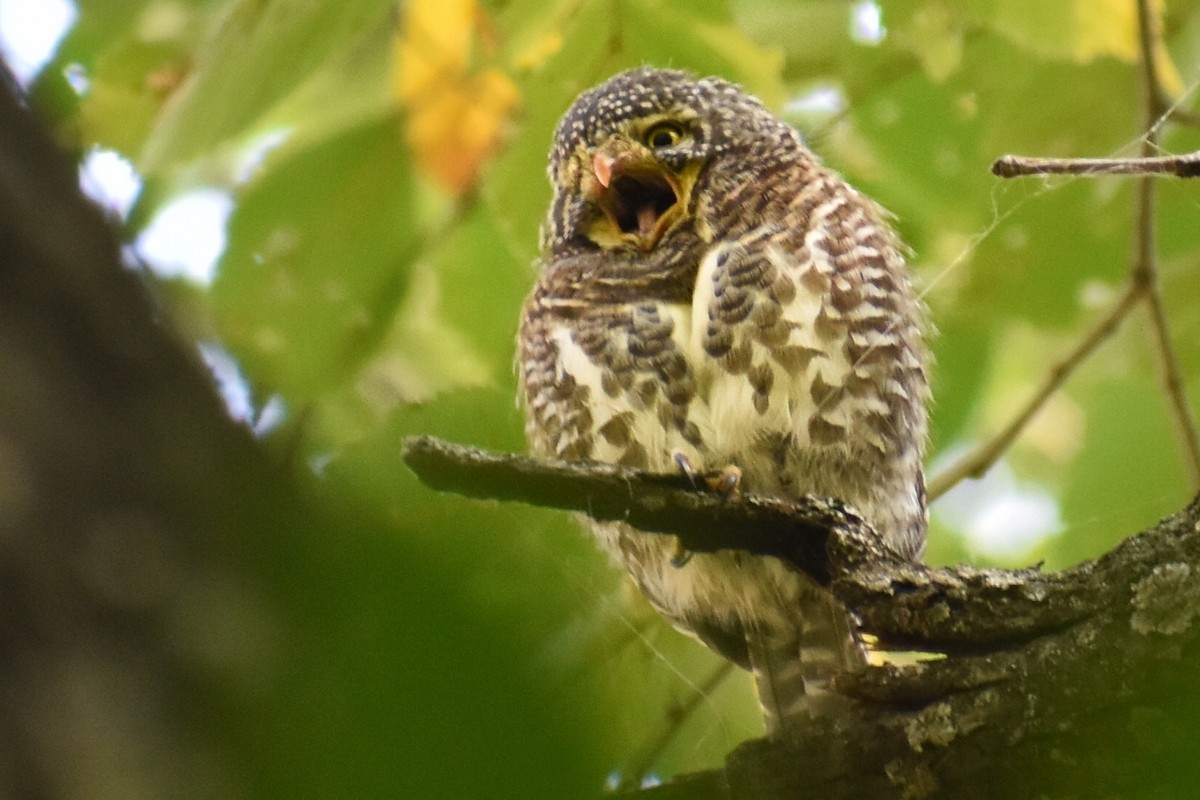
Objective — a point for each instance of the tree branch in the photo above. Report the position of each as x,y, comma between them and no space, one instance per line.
797,532
905,604
1042,670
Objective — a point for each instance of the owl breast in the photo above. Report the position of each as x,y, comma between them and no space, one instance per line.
793,353
661,378
644,390
775,361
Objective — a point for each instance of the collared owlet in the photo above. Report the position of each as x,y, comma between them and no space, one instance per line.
711,297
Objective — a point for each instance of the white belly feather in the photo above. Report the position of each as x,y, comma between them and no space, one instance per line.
753,591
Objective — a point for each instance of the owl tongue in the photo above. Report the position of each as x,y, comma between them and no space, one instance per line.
647,219
637,202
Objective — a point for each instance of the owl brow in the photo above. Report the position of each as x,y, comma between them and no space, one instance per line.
680,114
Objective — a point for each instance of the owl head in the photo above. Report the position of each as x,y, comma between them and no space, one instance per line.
628,155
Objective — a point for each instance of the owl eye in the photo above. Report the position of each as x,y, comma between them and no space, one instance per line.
663,134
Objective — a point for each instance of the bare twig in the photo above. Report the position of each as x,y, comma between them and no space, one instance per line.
979,460
1182,166
1145,266
1142,282
1173,386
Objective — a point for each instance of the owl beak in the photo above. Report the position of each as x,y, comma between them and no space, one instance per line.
639,197
602,166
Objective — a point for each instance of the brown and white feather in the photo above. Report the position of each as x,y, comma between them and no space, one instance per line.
773,327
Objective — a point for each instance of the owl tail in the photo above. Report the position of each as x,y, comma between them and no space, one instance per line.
793,669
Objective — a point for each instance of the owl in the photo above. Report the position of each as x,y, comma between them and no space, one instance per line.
711,298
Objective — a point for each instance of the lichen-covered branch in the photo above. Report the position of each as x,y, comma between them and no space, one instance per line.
1105,707
963,609
1047,682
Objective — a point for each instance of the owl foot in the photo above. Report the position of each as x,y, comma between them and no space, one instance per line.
680,555
725,482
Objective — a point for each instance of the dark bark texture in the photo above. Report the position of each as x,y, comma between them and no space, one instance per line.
182,615
121,479
1078,683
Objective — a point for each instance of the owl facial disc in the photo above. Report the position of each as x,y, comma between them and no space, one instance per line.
639,198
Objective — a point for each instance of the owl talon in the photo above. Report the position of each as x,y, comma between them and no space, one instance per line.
680,556
688,469
724,483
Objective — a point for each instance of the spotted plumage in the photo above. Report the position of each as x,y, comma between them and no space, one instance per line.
710,294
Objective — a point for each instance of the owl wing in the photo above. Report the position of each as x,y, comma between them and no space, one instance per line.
814,357
811,365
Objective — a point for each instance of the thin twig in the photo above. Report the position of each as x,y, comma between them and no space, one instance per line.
1143,276
1173,386
677,714
1182,166
979,460
1145,266
1159,104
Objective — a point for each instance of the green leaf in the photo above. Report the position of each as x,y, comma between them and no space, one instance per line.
778,24
281,43
1078,30
1128,474
484,279
123,104
663,35
318,259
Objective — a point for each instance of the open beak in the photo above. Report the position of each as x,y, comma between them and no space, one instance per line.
638,196
602,167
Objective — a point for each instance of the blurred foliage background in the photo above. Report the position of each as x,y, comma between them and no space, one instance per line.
339,202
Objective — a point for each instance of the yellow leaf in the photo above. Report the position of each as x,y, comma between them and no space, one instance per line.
457,129
1105,28
457,114
1075,30
435,43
